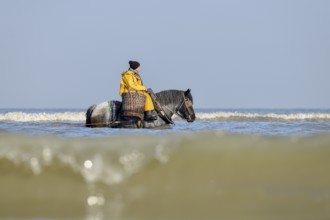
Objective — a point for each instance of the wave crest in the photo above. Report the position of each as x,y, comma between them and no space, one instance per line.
213,116
223,116
43,117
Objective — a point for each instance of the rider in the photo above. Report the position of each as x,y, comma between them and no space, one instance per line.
131,80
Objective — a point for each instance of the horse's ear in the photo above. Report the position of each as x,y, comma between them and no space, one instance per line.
187,92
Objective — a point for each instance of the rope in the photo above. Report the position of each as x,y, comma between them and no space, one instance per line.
82,125
176,107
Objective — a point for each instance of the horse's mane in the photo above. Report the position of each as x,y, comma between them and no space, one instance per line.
171,96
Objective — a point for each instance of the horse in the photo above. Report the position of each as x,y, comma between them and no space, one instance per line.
173,102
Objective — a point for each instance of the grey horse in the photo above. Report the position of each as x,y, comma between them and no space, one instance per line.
173,102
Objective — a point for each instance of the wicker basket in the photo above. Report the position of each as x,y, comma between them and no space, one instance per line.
133,104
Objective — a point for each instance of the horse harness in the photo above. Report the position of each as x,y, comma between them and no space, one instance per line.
158,107
188,104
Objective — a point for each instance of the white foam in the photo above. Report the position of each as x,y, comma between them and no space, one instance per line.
269,116
80,116
43,117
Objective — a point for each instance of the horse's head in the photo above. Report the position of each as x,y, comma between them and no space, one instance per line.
185,110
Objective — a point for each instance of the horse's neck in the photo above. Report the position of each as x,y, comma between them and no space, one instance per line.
170,105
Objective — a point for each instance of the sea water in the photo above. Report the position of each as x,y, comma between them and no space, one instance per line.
228,164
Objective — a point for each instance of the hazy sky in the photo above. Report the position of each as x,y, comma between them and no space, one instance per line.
232,54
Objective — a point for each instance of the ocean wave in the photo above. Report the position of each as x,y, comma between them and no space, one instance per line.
161,177
107,161
43,117
223,116
213,116
111,160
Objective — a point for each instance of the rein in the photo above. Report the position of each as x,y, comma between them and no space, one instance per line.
185,102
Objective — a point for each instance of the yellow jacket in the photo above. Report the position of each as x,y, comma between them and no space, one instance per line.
130,81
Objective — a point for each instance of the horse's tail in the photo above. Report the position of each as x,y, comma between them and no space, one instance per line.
89,116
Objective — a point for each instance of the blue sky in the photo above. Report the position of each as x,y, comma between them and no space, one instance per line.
232,54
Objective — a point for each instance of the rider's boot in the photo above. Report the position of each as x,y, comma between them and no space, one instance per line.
150,115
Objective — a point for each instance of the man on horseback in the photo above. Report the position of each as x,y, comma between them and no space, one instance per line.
131,82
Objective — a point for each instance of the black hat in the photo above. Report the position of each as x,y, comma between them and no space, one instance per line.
134,64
